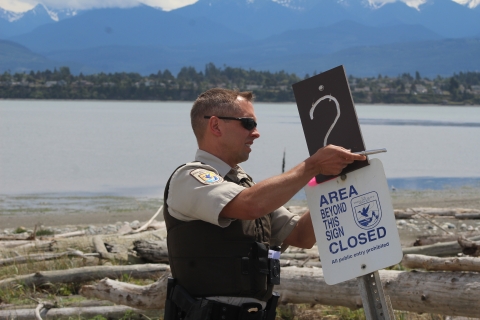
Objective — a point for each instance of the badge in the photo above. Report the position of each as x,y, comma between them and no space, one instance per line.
206,176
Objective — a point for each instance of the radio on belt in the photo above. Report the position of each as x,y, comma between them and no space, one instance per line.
274,265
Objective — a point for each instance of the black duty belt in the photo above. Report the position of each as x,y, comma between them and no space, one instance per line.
187,307
223,311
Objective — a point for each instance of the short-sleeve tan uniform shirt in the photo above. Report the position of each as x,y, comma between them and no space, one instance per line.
198,191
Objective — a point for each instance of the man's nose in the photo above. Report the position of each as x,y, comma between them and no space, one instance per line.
255,133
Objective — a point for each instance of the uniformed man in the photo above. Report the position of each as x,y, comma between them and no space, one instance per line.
224,230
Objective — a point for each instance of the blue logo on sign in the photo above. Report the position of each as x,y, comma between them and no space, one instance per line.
366,210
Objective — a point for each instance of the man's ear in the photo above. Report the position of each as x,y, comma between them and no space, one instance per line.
214,126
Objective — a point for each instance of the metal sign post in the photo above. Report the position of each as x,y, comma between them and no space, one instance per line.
376,304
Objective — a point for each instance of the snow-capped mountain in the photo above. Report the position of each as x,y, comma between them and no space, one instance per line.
274,34
263,18
14,23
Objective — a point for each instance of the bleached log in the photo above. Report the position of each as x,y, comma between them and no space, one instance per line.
157,251
468,215
449,293
445,212
157,225
11,237
13,243
414,261
37,311
152,251
298,256
26,244
432,239
80,303
145,226
403,214
85,242
124,229
149,235
37,244
142,297
44,257
70,234
469,247
141,271
300,263
450,248
101,249
111,312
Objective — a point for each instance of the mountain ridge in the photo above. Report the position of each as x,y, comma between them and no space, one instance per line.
259,34
422,56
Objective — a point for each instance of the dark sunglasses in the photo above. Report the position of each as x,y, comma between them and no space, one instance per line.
247,123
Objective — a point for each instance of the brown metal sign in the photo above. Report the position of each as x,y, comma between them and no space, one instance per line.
328,115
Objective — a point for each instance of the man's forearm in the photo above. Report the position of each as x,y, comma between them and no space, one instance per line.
270,194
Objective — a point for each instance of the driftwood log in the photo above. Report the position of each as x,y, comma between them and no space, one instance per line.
309,263
414,261
111,312
151,251
403,214
446,293
442,212
470,248
13,237
143,297
69,234
100,248
64,242
157,252
449,293
28,244
467,215
44,257
428,240
147,224
84,274
444,249
84,242
28,236
459,213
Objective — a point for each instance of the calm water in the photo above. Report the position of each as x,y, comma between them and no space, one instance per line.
131,148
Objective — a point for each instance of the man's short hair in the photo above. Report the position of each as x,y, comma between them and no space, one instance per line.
215,102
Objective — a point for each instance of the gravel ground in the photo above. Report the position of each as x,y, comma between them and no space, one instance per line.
94,213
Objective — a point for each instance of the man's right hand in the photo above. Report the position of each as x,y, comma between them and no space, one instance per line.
331,160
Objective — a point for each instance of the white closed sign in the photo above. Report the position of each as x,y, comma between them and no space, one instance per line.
354,224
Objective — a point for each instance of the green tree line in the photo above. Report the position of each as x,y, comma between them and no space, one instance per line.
462,88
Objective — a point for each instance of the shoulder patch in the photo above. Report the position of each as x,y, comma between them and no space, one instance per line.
206,176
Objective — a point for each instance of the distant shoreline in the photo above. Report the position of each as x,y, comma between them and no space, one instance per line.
84,211
255,102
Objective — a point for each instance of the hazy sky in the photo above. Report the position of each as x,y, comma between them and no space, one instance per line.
24,5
